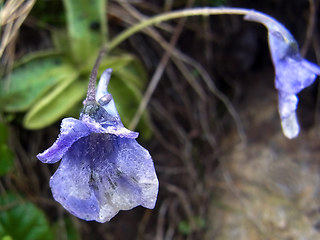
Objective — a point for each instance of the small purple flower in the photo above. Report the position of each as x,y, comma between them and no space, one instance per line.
103,169
292,72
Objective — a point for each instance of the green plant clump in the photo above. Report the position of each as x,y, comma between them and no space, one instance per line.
49,85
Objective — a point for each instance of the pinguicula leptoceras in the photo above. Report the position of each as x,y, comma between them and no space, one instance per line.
103,168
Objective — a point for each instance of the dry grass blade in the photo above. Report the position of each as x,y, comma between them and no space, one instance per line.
160,69
161,221
12,15
182,137
215,91
310,27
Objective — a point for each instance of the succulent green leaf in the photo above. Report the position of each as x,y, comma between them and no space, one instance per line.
3,133
6,159
127,99
22,220
86,23
66,229
130,70
7,238
184,227
29,81
115,62
56,104
60,40
6,155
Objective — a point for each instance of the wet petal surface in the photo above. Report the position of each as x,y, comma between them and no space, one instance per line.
102,174
71,130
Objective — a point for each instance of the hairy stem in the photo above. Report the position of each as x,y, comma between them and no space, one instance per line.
91,93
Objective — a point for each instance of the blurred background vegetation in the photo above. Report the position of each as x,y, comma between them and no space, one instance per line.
211,124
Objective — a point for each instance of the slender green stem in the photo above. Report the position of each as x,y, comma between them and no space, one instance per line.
207,11
103,20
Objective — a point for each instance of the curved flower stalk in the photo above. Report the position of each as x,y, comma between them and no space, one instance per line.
103,169
292,72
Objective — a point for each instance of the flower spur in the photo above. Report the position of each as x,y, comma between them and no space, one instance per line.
103,169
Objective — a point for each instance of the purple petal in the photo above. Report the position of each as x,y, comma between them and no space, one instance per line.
118,129
292,76
103,84
312,67
69,186
293,73
290,126
102,174
102,95
136,164
287,104
121,131
71,131
287,110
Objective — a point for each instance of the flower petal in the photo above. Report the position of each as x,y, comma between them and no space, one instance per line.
290,126
71,131
127,179
102,174
70,183
312,67
287,110
292,76
117,129
293,73
136,164
287,104
102,95
103,84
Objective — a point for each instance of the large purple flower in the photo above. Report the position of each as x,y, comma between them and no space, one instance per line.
103,169
292,72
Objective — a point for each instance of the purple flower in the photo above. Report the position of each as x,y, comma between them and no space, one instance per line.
103,169
292,72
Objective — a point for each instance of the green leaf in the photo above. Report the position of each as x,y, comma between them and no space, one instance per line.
6,155
72,232
30,81
86,22
65,229
134,74
3,133
115,62
60,40
7,238
184,227
127,98
56,104
22,220
6,159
